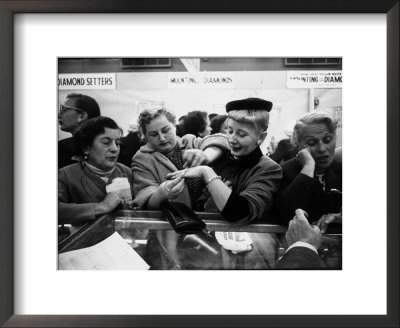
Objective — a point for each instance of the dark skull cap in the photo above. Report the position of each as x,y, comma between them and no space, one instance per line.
249,104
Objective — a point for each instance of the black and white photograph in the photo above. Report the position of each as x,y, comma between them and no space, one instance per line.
206,163
185,170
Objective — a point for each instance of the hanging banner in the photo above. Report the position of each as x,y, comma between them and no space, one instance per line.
216,80
313,79
87,81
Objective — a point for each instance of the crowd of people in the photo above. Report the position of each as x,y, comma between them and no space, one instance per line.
210,163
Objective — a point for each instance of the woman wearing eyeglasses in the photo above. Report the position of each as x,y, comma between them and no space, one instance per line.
76,109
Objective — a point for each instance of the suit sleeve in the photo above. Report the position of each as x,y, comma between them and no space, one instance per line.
301,258
71,212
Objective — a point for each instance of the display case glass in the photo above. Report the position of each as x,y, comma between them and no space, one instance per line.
253,246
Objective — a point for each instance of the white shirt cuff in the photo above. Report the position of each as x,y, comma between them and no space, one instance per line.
302,244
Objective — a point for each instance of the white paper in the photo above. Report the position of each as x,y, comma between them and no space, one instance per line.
113,253
234,241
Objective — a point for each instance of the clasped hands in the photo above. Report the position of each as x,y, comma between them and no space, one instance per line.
175,184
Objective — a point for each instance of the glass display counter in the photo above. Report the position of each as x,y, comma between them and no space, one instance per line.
154,239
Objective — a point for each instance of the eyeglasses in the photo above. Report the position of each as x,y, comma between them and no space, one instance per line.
63,109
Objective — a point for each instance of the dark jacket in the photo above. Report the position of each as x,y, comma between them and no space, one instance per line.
300,258
255,179
66,150
130,144
298,190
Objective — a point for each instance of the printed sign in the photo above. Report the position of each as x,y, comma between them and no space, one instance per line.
88,81
183,80
314,79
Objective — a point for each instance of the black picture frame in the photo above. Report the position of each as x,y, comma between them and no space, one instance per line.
11,7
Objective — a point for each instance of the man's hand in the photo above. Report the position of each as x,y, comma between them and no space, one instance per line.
301,230
327,219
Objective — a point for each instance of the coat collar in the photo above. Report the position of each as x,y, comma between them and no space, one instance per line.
248,161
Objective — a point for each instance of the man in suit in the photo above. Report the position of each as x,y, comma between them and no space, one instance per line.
76,109
303,240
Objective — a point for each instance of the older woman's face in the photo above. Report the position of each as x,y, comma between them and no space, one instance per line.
161,134
321,142
104,151
242,137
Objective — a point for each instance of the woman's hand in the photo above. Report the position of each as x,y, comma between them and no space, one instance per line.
194,157
109,203
307,162
171,189
192,172
304,157
327,219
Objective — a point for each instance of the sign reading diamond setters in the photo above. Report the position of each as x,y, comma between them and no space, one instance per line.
96,81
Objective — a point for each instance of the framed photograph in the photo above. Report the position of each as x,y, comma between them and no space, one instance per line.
34,35
193,94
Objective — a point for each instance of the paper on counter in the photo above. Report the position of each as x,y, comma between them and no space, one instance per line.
113,253
236,242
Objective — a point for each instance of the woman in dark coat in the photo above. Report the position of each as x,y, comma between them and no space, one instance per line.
312,180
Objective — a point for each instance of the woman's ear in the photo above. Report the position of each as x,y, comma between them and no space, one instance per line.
262,137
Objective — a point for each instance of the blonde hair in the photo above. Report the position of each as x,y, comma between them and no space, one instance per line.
258,118
314,117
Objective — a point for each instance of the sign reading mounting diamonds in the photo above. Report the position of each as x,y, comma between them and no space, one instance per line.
183,80
314,79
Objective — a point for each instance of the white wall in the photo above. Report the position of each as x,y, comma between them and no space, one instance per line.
125,103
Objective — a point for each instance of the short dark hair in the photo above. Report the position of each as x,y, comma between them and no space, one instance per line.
90,129
217,122
195,122
85,103
212,115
